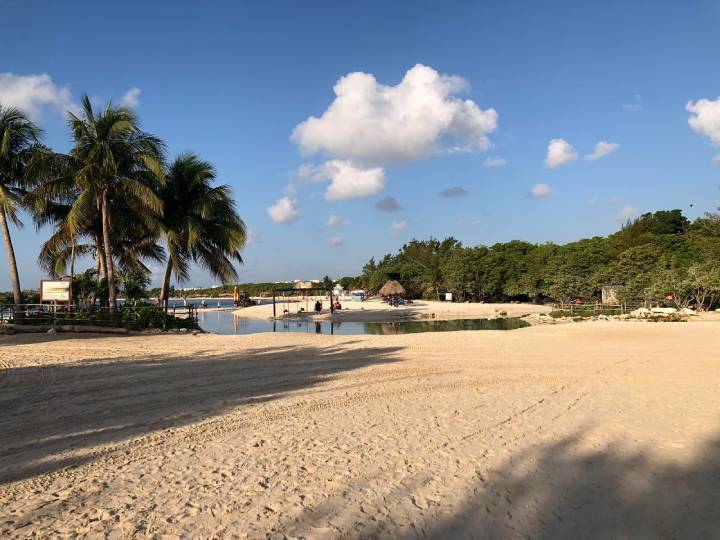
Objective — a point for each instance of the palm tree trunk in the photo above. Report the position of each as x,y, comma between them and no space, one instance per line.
165,293
17,292
108,254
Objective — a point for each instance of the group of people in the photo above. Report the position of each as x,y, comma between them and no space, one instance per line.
335,304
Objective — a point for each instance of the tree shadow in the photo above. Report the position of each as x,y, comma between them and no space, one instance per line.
557,492
53,416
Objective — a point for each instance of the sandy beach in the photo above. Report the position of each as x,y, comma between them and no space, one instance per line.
595,430
375,310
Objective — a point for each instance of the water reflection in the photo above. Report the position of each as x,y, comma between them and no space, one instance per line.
224,322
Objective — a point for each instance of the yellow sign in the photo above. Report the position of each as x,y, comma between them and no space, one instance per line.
57,291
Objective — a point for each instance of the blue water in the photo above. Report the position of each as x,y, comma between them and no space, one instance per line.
224,322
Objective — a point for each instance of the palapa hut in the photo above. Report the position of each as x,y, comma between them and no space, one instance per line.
392,288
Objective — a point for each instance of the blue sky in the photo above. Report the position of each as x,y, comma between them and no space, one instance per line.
232,80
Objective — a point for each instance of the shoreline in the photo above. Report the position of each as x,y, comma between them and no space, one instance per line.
374,310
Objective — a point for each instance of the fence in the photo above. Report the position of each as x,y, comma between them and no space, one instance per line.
595,308
126,316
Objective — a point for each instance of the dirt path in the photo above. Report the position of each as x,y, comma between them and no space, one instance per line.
589,430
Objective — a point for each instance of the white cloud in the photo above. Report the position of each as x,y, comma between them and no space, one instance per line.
32,93
335,221
397,226
252,237
284,210
494,162
559,152
336,241
377,124
707,118
603,148
131,98
626,213
636,105
346,180
540,190
717,158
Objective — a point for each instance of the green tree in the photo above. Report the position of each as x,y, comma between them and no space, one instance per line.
134,284
200,223
113,162
19,138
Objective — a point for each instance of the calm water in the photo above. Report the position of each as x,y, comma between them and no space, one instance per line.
224,322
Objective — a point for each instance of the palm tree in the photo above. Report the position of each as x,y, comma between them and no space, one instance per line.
19,137
112,173
199,224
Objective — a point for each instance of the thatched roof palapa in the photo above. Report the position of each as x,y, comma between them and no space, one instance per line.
391,288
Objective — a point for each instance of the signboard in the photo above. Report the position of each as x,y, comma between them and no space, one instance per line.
448,297
55,290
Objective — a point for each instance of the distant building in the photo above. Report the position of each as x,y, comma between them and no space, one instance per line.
305,284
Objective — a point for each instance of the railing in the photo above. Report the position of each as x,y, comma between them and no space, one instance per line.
125,316
595,308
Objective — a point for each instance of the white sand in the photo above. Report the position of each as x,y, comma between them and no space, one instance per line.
589,430
378,311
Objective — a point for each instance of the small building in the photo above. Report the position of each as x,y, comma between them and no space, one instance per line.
305,283
357,295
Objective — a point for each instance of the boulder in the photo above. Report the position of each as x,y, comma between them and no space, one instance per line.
688,312
640,313
663,310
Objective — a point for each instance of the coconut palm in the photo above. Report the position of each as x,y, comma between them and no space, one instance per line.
200,223
110,177
19,137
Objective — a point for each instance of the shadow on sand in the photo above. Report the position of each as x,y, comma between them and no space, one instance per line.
555,492
48,410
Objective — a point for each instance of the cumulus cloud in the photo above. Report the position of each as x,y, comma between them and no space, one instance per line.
284,210
559,152
346,180
540,190
456,191
376,124
32,93
387,204
494,162
397,226
131,98
603,148
336,241
635,105
705,118
335,221
626,213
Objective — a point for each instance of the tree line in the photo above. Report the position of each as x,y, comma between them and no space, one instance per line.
659,256
118,198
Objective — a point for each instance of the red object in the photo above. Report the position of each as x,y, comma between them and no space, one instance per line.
669,297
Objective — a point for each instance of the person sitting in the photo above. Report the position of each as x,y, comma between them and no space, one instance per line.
337,305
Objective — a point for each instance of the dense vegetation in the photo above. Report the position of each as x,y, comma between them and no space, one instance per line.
656,256
116,198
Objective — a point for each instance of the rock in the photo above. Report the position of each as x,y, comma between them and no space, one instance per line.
52,331
640,313
688,312
663,310
183,330
603,318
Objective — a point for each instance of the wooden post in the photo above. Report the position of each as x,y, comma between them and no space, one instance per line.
274,314
332,308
